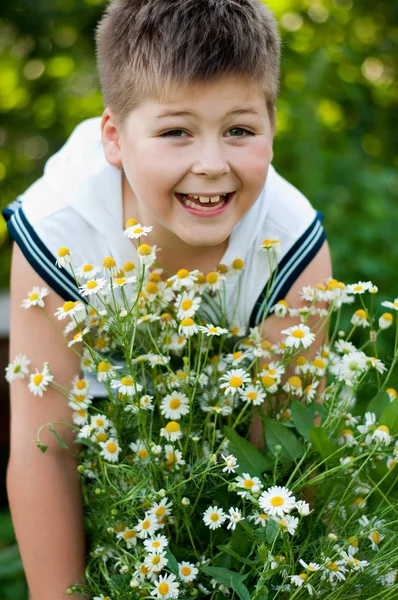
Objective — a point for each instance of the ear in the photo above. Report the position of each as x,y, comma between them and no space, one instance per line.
110,139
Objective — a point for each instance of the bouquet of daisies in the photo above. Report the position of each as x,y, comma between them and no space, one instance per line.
178,502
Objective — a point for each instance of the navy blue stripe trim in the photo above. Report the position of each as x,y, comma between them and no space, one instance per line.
290,268
38,255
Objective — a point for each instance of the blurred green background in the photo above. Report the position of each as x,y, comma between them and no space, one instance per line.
336,138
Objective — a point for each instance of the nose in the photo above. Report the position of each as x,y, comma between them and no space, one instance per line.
212,162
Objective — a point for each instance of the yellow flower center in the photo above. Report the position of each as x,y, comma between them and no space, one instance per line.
143,453
248,484
144,250
172,427
109,262
33,297
155,559
174,403
187,322
383,428
128,266
268,243
128,381
172,457
295,382
131,223
392,464
186,304
319,363
99,422
265,345
128,535
263,516
68,306
151,288
103,367
346,432
303,576
81,384
214,517
138,230
238,264
111,447
91,284
277,501
267,381
82,412
387,317
298,334
37,379
87,268
182,274
361,314
63,252
332,566
160,511
235,382
200,279
212,278
251,396
155,544
163,589
353,541
146,524
213,329
186,571
101,437
236,355
376,537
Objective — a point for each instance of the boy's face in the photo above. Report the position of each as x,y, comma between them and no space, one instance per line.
209,152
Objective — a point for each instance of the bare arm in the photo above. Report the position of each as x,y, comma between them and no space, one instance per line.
318,271
44,489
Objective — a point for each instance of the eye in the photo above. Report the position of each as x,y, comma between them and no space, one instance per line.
174,131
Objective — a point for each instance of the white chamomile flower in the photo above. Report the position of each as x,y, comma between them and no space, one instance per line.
391,305
183,279
370,420
172,431
237,329
360,318
272,245
231,463
156,544
146,402
110,449
126,385
161,509
187,571
187,305
382,435
105,371
260,519
71,309
129,536
147,526
100,422
281,308
211,329
80,416
78,337
87,271
174,406
166,587
312,566
187,327
35,297
64,257
134,231
246,483
299,335
93,286
375,363
173,457
214,517
156,562
213,281
18,368
253,395
39,381
234,517
288,524
234,380
139,448
303,508
359,288
277,501
386,320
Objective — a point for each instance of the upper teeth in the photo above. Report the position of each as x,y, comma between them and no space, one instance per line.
206,200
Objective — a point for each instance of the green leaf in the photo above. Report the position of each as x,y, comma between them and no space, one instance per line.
240,588
172,563
277,434
303,418
223,576
250,459
271,531
317,410
379,403
389,417
246,561
321,442
60,440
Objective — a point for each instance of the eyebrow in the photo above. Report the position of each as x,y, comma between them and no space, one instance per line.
187,113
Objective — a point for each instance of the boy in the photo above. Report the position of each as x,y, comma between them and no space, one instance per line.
212,66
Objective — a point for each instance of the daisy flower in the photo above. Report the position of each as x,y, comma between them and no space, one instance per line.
303,508
360,318
80,416
139,448
93,286
386,320
370,421
253,395
129,536
106,371
146,402
187,571
156,544
392,305
71,309
187,305
126,385
294,386
214,517
211,329
359,288
375,537
237,329
156,562
382,435
64,257
300,580
277,501
187,327
184,278
269,245
39,381
173,457
35,297
134,231
87,271
100,422
281,309
234,380
334,570
213,281
171,432
299,335
259,519
249,485
234,517
18,368
310,566
110,449
166,587
174,406
147,526
230,462
289,524
78,337
161,509
310,391
392,393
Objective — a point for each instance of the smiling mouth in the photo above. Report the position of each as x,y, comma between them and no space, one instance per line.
205,205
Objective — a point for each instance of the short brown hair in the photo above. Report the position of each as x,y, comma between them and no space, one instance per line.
147,47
